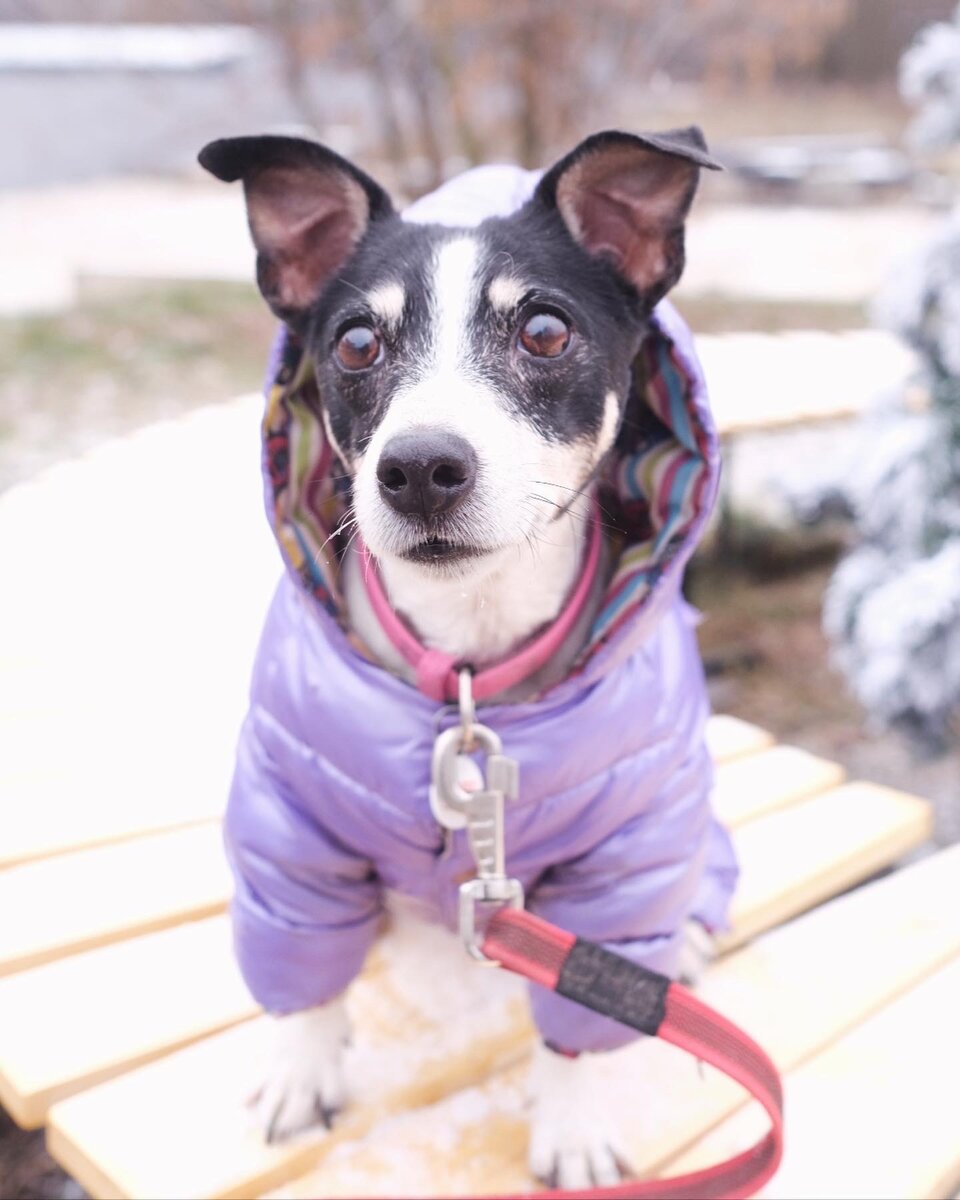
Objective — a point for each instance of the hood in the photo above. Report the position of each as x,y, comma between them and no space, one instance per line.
657,488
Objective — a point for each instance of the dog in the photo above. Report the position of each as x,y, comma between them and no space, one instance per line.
476,412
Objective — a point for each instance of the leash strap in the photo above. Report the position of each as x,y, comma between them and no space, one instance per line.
655,1005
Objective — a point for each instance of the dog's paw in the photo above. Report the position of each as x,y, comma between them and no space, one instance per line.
573,1142
696,953
304,1085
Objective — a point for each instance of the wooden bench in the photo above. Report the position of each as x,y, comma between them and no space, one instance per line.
126,1030
124,1026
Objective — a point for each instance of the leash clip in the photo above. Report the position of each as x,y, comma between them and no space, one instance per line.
476,892
461,797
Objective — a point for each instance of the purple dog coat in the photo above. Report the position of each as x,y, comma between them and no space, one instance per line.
613,836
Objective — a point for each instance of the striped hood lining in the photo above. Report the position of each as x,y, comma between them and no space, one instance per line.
655,491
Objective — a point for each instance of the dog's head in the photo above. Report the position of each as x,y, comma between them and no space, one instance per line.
472,380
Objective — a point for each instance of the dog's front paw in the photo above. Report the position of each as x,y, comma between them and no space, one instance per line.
304,1085
573,1142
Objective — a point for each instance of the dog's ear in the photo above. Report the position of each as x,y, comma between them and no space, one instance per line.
308,209
624,198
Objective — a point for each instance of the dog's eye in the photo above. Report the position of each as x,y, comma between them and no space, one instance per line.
359,347
545,335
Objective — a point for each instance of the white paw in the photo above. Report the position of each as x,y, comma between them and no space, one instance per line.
696,953
574,1143
304,1084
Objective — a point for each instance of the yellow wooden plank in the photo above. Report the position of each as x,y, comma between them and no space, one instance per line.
749,787
730,737
412,1044
121,707
875,1114
110,774
89,898
71,1023
790,860
42,837
794,858
796,990
473,1143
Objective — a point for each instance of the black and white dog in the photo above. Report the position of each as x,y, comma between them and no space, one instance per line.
473,381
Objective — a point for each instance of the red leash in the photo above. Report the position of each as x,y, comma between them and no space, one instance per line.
653,1004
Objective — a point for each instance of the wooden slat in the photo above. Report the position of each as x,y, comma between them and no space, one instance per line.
71,1023
89,898
875,1114
729,738
120,709
751,786
858,362
64,823
796,990
792,859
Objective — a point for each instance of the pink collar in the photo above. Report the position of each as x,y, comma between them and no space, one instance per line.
436,672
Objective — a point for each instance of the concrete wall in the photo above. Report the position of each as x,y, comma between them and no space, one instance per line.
74,109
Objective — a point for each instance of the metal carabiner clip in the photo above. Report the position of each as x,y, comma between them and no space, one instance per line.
478,809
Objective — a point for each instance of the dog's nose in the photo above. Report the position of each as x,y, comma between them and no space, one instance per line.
425,474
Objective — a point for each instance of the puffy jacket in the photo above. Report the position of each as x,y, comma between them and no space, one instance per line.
613,836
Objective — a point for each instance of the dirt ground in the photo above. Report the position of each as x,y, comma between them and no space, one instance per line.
768,661
27,1172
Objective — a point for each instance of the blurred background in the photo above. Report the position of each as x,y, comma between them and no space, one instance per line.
823,279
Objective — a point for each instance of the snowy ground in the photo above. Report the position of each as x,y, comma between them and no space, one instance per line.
51,237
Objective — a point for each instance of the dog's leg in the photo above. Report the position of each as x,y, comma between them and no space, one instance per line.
304,1084
574,1137
573,1143
697,952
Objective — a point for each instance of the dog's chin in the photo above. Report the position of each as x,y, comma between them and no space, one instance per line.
439,557
441,554
442,550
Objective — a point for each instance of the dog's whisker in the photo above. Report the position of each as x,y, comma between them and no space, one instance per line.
528,502
576,491
585,521
341,528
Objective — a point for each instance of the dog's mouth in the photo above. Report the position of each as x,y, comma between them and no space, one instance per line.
441,550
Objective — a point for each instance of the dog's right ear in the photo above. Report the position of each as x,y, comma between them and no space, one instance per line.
624,198
307,207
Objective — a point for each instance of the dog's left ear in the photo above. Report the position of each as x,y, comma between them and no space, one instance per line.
624,198
308,210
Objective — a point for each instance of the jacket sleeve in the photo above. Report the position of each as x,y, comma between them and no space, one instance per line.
633,893
306,909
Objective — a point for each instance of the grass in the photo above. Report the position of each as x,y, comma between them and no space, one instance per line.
713,312
126,355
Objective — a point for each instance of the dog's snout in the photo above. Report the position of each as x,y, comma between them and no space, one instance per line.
426,474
